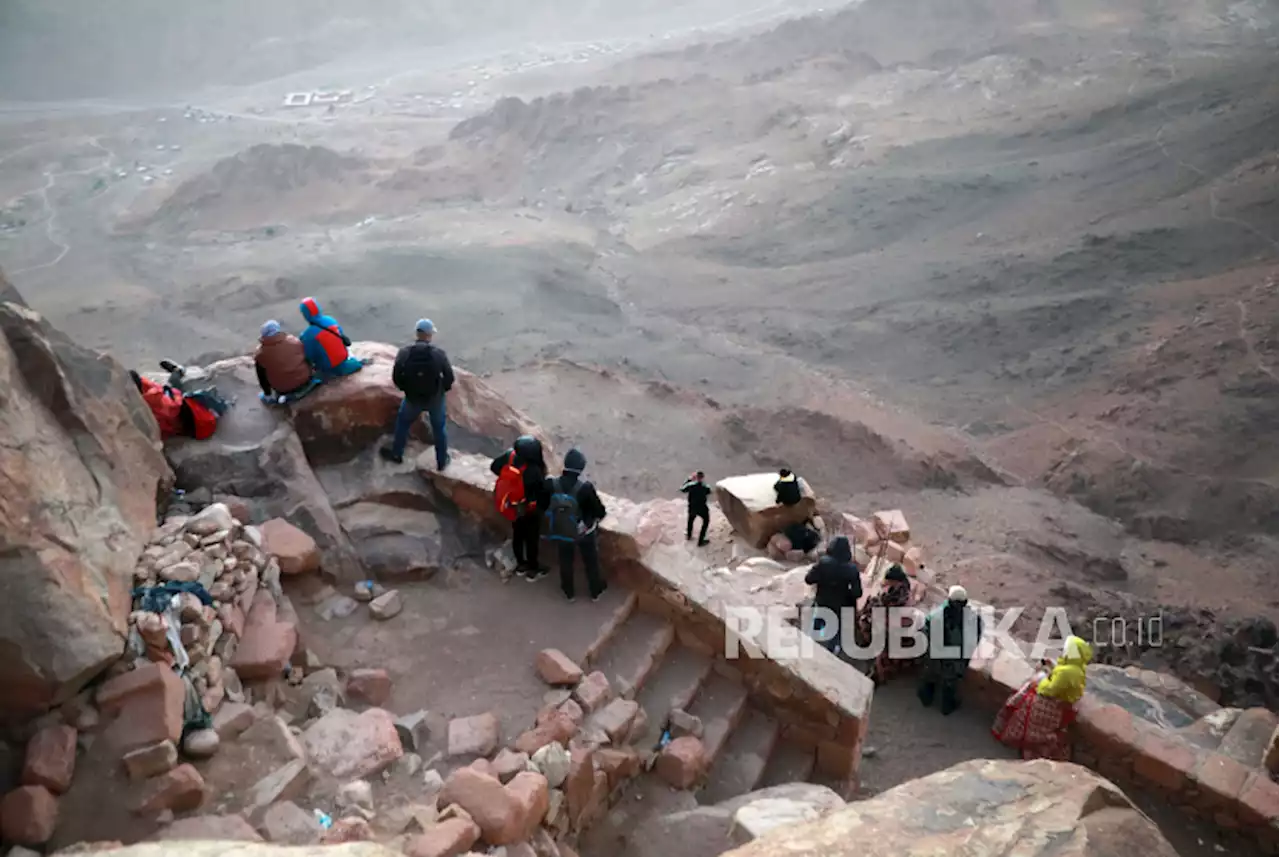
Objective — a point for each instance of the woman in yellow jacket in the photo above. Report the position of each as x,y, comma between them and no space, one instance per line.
1036,717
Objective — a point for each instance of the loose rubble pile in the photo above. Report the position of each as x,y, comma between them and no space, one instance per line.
208,601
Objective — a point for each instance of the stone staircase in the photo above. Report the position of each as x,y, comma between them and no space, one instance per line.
746,748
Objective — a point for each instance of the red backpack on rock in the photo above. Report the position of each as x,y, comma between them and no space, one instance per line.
508,493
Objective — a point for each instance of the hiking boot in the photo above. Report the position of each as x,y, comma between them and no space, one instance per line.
602,591
389,454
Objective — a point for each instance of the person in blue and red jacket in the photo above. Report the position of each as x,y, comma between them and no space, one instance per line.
325,344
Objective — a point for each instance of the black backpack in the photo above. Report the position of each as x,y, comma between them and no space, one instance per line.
419,375
564,518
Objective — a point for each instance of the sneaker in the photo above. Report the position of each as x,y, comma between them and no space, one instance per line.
389,454
702,543
448,459
570,599
530,575
602,591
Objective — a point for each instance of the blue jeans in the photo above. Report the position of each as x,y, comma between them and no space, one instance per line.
409,413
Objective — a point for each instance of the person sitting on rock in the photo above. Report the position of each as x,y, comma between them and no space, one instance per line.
952,632
1035,719
281,363
325,343
423,373
177,415
803,536
695,488
574,513
520,495
839,586
787,488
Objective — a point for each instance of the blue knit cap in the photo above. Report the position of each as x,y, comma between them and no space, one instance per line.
271,328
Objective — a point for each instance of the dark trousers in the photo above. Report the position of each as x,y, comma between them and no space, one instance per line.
590,565
408,415
525,536
695,514
942,679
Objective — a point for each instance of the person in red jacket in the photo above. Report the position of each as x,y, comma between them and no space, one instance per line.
176,415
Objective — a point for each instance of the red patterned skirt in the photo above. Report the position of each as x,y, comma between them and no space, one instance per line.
1035,725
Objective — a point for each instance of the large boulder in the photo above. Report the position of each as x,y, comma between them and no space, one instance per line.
257,456
351,413
751,506
394,543
242,849
1035,809
80,471
708,829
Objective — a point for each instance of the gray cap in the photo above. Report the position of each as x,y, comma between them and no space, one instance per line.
425,325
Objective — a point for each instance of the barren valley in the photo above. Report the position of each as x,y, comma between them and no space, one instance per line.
1008,266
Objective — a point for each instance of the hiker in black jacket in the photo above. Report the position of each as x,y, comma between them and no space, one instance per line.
787,488
422,372
698,492
839,585
526,529
574,513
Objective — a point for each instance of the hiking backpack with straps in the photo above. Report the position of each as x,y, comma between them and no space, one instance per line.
508,493
563,514
419,375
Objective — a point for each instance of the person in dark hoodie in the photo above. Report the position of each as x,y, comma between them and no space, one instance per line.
959,635
695,488
521,496
281,363
787,488
574,513
839,586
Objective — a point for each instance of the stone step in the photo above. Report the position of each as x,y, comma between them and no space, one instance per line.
674,685
720,704
635,652
609,629
790,763
1247,739
741,764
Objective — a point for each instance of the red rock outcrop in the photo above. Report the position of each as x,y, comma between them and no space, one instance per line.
80,470
1032,808
353,412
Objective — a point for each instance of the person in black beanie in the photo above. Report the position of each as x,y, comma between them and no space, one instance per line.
574,513
697,491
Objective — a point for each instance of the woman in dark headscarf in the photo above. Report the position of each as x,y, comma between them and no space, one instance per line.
895,592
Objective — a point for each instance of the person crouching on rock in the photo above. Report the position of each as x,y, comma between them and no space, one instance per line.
695,488
423,373
839,586
953,632
281,362
325,343
574,513
520,495
1036,718
787,488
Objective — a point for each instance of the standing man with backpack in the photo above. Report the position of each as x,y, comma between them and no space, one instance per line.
574,513
698,492
520,495
422,372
